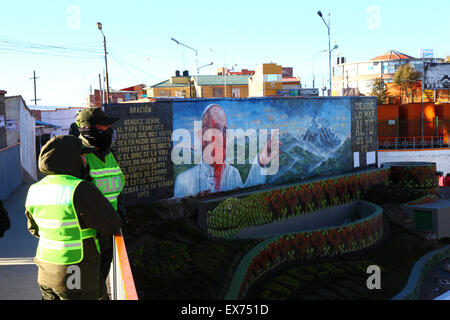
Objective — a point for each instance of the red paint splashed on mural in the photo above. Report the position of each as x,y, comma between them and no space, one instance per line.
220,164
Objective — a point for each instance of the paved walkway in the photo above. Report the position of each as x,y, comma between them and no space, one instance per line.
18,273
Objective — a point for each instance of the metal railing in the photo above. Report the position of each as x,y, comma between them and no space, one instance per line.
120,277
413,134
415,142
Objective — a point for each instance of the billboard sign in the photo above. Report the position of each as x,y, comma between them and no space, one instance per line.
436,76
304,92
426,53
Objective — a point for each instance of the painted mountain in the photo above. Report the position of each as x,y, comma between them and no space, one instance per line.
339,161
319,139
317,150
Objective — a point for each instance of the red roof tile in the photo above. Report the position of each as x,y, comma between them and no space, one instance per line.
392,55
290,79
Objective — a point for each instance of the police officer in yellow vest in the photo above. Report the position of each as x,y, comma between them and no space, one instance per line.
68,215
95,131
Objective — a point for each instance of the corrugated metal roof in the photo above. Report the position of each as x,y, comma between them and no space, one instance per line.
51,108
168,83
210,80
42,123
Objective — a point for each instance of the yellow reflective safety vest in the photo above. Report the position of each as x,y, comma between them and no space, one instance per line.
107,176
50,202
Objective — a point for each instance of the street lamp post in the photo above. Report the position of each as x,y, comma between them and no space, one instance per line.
196,52
329,45
99,26
209,64
314,59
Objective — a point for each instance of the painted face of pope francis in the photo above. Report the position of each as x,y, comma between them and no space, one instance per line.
214,131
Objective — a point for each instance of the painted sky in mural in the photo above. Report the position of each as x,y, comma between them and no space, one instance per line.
314,137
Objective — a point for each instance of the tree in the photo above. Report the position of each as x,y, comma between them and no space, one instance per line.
378,89
407,79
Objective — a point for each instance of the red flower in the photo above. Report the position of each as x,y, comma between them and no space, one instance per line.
352,186
364,182
284,246
300,243
291,196
273,252
357,232
342,185
366,229
253,268
334,237
317,190
318,240
305,196
347,235
276,199
263,258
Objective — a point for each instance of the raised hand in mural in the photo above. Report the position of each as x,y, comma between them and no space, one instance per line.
271,149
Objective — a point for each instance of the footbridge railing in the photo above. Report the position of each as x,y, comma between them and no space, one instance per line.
121,278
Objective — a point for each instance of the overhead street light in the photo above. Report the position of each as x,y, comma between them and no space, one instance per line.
329,45
314,59
100,27
195,50
209,64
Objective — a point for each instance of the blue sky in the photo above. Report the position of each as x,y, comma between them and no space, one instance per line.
227,33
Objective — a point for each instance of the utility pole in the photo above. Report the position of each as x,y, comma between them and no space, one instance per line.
100,27
101,91
104,88
329,47
34,79
421,96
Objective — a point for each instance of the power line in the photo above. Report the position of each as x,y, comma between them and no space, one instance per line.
86,50
52,54
122,62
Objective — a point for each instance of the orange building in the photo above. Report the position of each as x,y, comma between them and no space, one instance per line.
403,122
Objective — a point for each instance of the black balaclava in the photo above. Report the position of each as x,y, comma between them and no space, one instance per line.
101,139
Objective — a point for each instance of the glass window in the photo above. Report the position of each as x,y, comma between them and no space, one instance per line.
164,93
218,92
180,93
388,67
337,71
272,77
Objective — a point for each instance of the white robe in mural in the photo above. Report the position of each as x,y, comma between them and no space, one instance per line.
201,178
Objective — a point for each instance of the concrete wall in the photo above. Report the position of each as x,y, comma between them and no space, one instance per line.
21,129
439,156
12,114
2,120
27,143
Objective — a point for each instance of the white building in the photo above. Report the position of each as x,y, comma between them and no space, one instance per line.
356,76
61,117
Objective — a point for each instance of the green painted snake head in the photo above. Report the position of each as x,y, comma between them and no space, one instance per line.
234,214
